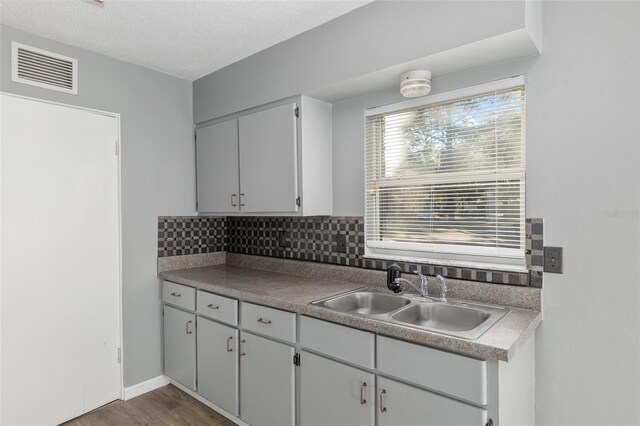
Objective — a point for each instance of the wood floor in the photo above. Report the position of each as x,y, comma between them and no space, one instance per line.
164,406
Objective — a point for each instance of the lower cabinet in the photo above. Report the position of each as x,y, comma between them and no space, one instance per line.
401,404
267,381
180,346
335,394
218,364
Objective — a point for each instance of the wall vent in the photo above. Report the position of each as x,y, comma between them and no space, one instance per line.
37,67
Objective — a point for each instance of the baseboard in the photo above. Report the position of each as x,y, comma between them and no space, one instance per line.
209,404
146,386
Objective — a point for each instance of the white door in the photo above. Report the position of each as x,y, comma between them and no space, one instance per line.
269,160
60,261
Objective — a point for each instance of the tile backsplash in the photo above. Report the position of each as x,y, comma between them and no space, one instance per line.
326,239
180,235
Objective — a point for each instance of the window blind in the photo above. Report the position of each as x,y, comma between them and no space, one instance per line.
448,177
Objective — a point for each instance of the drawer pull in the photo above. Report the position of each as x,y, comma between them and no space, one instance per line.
189,328
175,294
383,409
363,388
229,339
242,353
263,321
212,306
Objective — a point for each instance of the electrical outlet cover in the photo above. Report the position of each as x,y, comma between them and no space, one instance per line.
341,243
553,260
282,242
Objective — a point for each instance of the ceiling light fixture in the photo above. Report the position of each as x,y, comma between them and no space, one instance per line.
414,84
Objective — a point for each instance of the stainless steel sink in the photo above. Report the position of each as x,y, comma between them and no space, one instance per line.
442,316
366,303
465,320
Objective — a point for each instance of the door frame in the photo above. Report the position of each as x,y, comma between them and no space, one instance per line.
119,176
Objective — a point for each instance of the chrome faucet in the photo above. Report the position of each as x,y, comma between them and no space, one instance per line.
395,281
443,289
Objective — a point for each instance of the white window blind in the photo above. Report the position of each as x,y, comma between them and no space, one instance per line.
445,180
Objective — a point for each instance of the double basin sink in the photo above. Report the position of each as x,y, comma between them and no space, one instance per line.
464,320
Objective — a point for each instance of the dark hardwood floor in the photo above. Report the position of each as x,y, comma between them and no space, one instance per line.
165,406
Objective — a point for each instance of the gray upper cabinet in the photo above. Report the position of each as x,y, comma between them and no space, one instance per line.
269,160
217,168
274,159
180,346
335,394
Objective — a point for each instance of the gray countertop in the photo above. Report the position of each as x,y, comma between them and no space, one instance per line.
294,293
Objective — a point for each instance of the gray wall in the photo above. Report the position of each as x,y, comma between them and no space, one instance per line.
157,174
582,166
374,37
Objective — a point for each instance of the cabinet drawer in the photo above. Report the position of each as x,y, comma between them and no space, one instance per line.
338,341
218,307
179,295
269,321
452,374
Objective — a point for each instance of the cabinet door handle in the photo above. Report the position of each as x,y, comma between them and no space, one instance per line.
263,321
212,306
188,327
242,199
233,200
229,339
363,388
175,294
242,353
383,409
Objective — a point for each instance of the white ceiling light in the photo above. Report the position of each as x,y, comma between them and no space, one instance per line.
414,84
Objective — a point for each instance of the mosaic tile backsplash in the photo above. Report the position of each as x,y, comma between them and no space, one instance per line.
180,235
327,239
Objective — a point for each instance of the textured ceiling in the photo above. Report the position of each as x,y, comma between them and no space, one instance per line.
184,38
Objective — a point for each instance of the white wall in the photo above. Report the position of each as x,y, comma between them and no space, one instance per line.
583,161
583,152
157,174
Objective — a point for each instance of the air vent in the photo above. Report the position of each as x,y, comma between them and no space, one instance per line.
37,67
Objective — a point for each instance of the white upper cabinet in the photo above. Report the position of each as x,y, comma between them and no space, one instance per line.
217,168
269,160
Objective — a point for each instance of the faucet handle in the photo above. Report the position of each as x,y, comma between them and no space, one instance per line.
443,288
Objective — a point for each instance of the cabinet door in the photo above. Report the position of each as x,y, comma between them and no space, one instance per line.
217,168
180,346
401,404
218,364
269,160
266,382
335,394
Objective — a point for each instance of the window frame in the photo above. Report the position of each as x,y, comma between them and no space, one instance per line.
505,259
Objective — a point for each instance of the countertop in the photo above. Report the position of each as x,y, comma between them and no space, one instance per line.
294,293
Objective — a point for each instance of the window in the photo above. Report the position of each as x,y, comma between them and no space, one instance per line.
445,178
